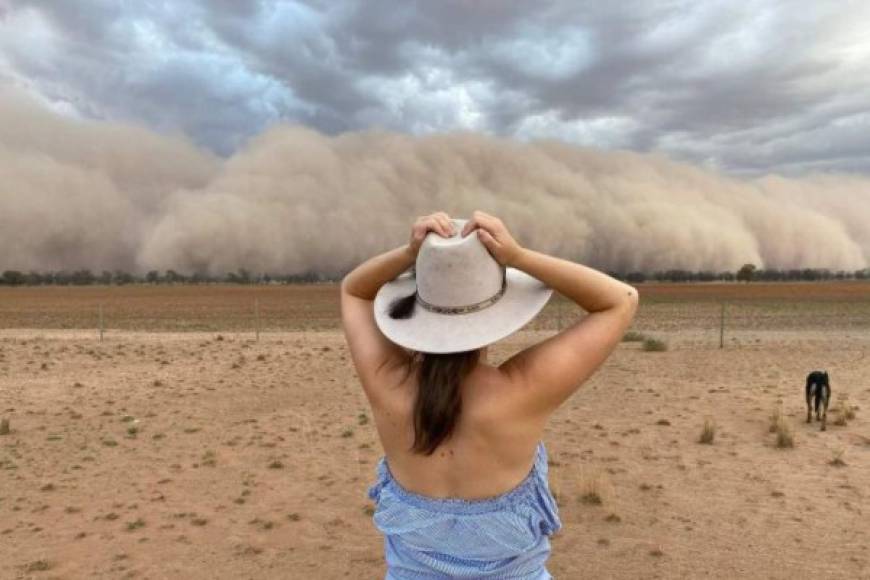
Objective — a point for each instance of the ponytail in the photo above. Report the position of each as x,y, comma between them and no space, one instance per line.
439,399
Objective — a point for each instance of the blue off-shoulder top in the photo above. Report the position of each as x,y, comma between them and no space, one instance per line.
506,536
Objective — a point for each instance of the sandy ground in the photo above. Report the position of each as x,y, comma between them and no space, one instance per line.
198,455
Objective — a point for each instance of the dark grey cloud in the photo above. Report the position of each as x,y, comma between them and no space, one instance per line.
744,87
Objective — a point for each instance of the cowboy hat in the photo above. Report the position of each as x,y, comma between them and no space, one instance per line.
464,300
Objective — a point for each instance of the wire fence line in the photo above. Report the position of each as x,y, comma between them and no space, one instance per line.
311,311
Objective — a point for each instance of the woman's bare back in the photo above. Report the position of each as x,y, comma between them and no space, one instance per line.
491,450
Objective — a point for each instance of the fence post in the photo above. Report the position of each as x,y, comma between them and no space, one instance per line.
257,317
722,328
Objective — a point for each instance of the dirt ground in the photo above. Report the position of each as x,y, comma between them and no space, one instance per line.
211,455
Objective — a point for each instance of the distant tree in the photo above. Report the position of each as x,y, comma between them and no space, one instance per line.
746,273
62,278
120,278
174,277
105,278
152,277
12,278
34,278
809,274
83,277
635,277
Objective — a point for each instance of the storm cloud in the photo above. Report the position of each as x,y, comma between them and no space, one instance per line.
744,88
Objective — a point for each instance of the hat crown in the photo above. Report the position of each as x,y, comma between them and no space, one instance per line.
457,271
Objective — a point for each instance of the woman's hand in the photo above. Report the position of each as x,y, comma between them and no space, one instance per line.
438,222
495,236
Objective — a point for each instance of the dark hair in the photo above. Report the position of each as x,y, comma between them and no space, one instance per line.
439,399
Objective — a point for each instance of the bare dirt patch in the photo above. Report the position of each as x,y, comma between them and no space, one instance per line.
179,454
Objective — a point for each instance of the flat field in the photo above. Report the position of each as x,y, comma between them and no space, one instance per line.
181,447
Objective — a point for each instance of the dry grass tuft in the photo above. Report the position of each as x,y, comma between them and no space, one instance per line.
654,345
784,433
844,411
633,336
775,419
837,460
708,432
592,489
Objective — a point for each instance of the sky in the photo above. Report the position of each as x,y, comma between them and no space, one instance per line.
290,137
746,88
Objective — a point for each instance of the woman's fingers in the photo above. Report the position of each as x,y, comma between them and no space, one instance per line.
469,226
480,220
445,224
439,225
438,222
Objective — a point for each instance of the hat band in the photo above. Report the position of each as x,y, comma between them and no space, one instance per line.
468,308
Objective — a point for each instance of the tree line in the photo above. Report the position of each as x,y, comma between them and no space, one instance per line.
84,277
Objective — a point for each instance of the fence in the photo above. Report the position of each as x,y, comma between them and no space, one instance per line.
315,307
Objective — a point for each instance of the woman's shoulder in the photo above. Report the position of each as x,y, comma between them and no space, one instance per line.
499,396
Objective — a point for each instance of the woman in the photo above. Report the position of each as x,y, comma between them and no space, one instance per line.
461,490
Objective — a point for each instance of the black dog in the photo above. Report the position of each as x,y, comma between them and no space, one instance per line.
818,393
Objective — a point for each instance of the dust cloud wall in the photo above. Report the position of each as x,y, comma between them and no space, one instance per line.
85,194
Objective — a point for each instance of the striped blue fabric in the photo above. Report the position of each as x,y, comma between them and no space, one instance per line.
428,538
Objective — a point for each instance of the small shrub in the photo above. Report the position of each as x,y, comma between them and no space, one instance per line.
784,434
848,410
209,458
837,459
591,490
708,432
633,336
4,426
591,497
775,419
844,411
654,345
38,566
347,433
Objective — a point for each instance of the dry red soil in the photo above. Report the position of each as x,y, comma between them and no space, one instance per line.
208,454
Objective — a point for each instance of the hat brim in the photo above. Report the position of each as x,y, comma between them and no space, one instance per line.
427,331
